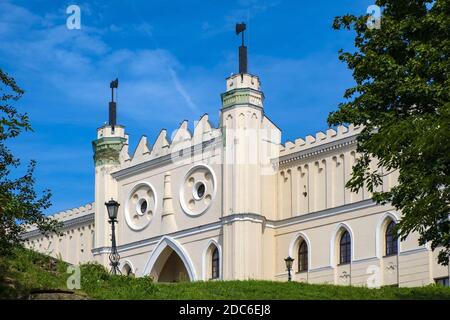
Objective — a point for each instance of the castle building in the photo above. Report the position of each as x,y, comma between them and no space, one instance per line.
232,202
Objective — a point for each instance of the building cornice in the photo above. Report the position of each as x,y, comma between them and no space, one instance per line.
326,147
323,213
70,223
156,239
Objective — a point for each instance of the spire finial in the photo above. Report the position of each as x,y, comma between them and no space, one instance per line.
240,28
112,105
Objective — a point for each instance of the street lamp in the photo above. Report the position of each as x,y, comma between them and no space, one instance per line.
289,262
112,207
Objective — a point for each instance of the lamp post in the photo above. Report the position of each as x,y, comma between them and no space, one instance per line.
112,207
289,262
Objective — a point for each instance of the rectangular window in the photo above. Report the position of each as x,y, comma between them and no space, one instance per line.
442,282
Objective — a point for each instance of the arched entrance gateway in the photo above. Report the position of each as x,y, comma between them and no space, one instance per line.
169,262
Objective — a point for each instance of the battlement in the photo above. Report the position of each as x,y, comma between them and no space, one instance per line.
182,138
74,212
320,138
107,132
243,81
69,214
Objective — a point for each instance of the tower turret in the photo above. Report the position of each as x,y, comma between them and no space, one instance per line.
247,145
111,138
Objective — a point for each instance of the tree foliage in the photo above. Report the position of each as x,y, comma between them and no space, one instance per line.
19,202
401,98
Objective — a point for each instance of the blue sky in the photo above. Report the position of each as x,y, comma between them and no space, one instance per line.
172,58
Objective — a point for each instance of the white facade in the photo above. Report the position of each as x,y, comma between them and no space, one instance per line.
237,189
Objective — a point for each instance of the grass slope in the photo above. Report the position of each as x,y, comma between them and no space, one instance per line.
24,271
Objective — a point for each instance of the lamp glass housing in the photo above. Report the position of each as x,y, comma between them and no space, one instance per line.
289,262
112,207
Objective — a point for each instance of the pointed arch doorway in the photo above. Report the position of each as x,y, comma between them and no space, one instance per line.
169,262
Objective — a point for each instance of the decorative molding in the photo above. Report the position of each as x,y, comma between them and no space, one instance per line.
412,251
75,222
242,96
175,246
323,213
323,268
363,260
153,240
107,150
315,150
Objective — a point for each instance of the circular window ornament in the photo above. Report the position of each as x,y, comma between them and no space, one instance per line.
140,206
198,190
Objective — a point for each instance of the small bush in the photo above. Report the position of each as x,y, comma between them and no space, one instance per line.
98,283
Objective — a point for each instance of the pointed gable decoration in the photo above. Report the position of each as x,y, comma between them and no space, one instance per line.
202,131
161,145
181,138
141,150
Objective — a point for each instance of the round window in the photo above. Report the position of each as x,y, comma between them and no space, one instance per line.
199,190
143,206
140,206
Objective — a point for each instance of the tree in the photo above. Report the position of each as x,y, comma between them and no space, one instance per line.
19,203
401,98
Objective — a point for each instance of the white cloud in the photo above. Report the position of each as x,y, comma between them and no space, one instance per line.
79,64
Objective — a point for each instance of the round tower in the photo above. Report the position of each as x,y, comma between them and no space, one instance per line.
107,148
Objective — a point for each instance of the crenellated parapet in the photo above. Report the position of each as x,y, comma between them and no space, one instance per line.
74,212
181,139
85,212
319,139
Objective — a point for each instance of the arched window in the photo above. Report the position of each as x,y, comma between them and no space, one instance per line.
303,256
391,239
215,264
126,270
345,249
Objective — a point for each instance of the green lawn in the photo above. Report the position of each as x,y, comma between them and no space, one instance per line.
24,271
